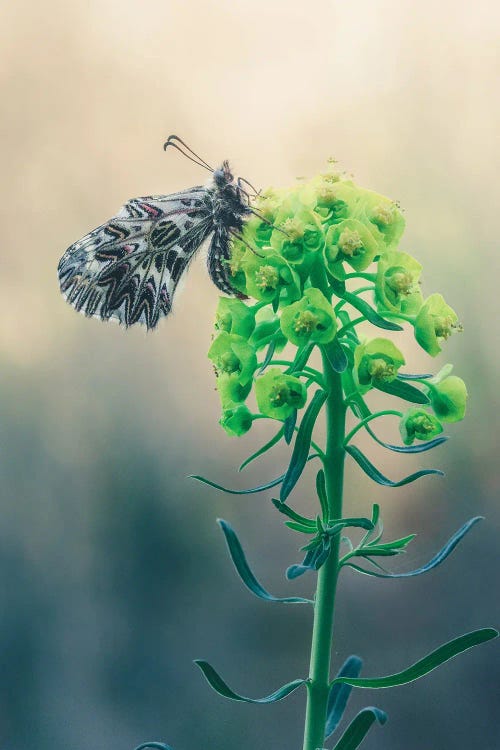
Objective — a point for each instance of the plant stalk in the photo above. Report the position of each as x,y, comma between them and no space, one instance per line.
321,647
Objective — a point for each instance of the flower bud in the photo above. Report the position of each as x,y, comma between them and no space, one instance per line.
236,420
352,242
419,424
383,214
231,354
310,320
279,394
376,362
267,276
436,320
233,316
396,286
448,398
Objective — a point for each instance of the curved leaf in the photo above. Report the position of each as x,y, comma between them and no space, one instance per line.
417,448
290,513
407,376
405,391
218,684
157,745
427,664
378,477
270,444
321,492
370,313
302,444
268,357
339,694
359,728
301,359
289,426
244,572
336,355
438,558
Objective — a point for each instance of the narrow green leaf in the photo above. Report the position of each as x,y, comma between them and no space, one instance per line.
407,376
336,355
396,543
218,684
264,449
301,359
302,444
302,528
339,694
370,313
269,356
359,728
287,511
289,426
425,665
405,391
433,562
378,477
252,490
356,523
321,492
157,745
244,572
417,448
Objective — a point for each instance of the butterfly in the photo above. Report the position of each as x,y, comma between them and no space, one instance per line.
129,267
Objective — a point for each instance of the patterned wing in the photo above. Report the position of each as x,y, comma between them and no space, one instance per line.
128,268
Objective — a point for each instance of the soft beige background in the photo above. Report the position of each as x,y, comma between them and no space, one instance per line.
114,574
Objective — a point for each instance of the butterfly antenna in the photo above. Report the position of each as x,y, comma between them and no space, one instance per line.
174,140
266,221
242,179
239,237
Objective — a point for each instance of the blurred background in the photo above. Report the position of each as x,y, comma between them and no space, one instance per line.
114,575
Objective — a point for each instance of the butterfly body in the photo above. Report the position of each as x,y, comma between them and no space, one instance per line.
128,268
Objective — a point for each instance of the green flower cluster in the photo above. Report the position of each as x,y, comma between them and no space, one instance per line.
300,254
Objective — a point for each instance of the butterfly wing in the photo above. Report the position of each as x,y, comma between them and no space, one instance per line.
128,268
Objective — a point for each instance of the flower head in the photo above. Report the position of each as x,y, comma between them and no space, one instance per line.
279,394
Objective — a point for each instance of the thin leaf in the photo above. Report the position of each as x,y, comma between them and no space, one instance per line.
301,359
287,511
157,745
269,356
404,390
438,558
417,448
312,561
427,664
321,492
370,313
218,684
244,572
252,490
289,426
264,449
339,694
336,355
378,477
407,376
359,728
301,527
302,444
396,543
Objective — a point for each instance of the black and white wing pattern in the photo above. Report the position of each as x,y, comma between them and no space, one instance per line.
128,268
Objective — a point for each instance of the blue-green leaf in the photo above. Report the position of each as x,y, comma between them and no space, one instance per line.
378,477
369,312
407,376
301,359
290,513
270,444
314,559
269,356
336,355
435,561
321,492
302,444
405,391
218,684
359,728
244,572
339,694
417,448
157,745
289,426
425,665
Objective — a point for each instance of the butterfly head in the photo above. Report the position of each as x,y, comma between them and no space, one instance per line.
223,175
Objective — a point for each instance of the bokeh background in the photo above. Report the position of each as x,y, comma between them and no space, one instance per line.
114,575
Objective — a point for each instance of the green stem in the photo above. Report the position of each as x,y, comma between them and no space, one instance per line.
319,672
